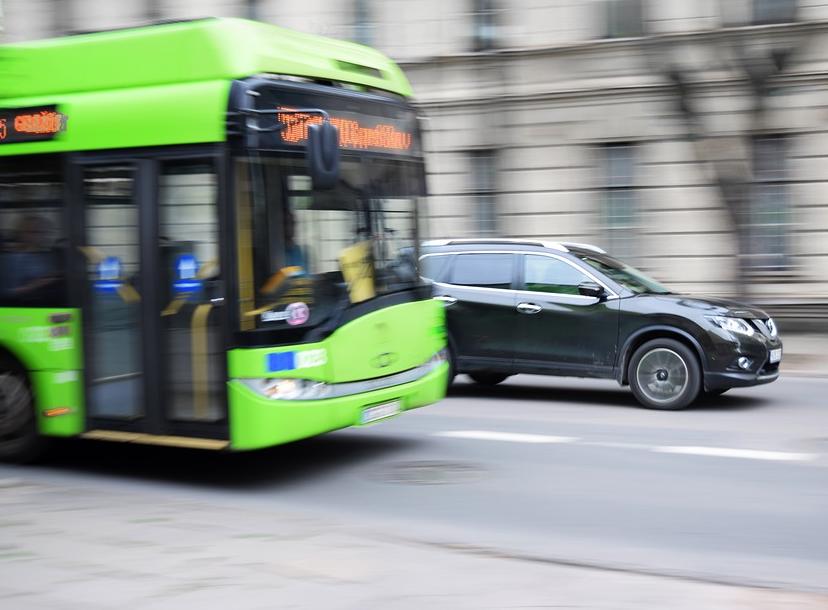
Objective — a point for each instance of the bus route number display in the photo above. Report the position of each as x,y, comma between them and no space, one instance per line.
30,124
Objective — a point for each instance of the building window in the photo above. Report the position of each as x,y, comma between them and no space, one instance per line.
624,19
363,26
768,217
619,220
153,11
484,24
774,11
483,174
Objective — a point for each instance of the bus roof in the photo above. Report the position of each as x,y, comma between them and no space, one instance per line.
169,83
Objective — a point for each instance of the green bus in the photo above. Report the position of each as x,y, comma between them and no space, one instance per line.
208,238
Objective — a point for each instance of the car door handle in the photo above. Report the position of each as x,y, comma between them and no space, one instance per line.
528,308
446,299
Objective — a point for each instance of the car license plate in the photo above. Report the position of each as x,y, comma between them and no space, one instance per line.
775,355
377,412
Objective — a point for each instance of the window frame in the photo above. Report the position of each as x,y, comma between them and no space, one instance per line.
763,13
614,23
484,25
764,181
452,267
63,232
611,187
484,190
521,285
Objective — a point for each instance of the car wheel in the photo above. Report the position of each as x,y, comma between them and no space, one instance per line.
487,378
665,374
19,439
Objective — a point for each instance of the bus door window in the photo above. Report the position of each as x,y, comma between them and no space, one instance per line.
190,284
113,319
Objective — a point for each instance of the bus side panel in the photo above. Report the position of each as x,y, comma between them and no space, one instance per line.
48,343
59,402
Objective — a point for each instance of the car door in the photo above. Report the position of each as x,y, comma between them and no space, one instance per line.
559,331
480,309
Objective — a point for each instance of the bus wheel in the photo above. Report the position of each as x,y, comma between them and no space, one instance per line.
19,439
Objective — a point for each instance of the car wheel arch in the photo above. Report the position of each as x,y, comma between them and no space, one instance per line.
641,336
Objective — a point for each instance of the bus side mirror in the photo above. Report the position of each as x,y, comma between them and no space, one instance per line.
323,155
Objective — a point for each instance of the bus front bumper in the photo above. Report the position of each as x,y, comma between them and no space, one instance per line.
257,421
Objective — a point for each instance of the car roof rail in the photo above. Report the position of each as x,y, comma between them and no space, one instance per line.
572,244
497,241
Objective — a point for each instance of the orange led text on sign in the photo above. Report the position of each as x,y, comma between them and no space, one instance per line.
351,133
44,122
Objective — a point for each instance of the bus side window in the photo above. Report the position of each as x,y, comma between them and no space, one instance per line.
33,242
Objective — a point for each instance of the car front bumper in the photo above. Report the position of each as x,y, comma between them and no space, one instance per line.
757,349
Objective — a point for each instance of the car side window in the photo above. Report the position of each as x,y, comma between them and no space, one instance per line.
433,266
483,270
547,274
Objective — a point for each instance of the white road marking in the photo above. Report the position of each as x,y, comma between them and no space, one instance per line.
725,452
748,454
509,437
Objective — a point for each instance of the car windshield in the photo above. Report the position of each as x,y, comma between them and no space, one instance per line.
624,274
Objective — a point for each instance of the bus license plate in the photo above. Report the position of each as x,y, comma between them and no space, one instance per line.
775,355
377,412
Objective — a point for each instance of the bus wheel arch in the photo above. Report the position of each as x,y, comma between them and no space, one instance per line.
20,440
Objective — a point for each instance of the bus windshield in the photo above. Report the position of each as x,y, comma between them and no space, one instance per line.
312,253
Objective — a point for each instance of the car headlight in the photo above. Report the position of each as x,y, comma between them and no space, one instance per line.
733,325
772,327
288,389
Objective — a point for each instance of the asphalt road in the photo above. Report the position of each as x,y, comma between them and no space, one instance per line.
567,472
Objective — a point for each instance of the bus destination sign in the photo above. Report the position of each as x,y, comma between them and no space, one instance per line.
30,124
367,125
353,132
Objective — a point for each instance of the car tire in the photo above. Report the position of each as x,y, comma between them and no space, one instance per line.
487,378
665,374
20,441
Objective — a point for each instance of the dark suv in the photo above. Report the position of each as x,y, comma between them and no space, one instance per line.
517,306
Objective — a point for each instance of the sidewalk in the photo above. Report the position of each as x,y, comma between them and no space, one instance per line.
97,547
805,354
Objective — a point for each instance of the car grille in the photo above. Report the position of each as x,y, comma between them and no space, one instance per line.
766,326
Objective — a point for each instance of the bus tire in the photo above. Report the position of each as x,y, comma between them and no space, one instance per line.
20,441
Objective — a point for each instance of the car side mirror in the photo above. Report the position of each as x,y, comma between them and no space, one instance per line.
591,289
323,155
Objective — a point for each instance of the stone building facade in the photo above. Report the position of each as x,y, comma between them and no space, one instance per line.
690,136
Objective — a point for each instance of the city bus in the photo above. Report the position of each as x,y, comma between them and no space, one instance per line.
208,239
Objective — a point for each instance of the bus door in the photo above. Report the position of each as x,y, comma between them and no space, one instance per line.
154,351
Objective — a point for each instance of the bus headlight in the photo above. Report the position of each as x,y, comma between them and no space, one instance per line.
438,358
288,389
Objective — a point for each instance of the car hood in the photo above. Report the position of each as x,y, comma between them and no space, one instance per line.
712,306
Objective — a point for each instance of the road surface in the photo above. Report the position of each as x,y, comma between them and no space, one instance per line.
548,482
